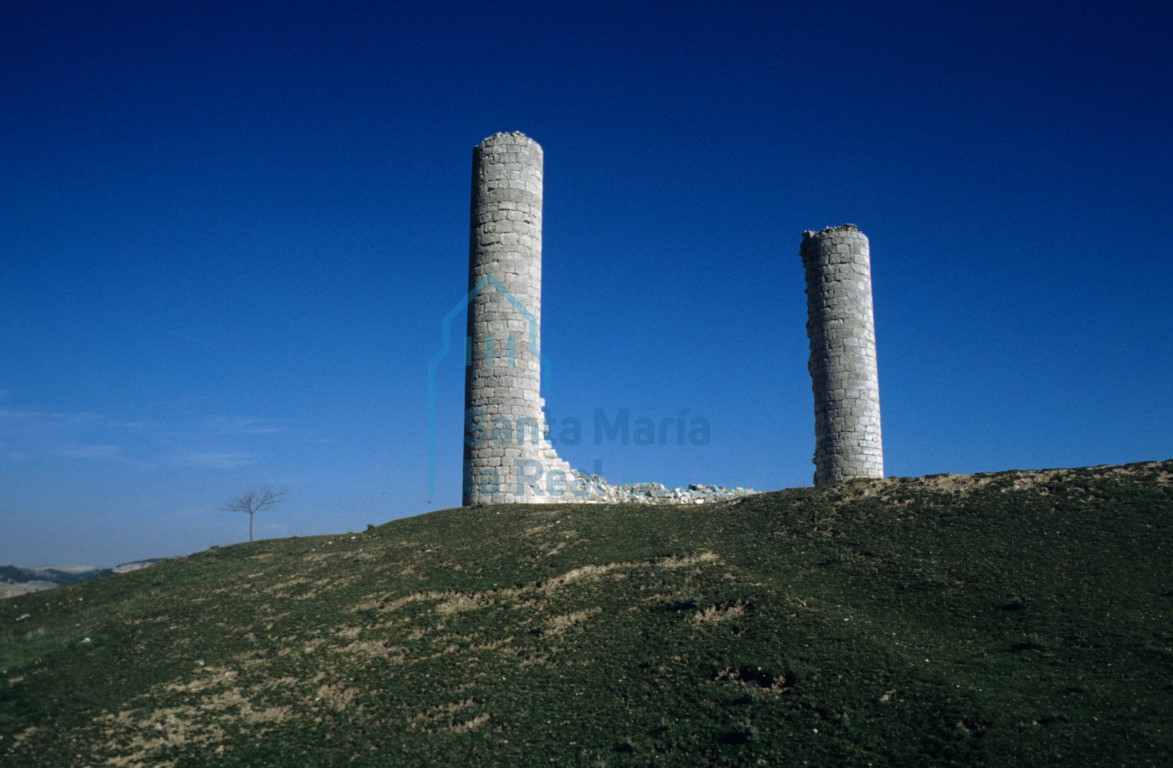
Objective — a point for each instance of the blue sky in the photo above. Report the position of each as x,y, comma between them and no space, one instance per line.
230,232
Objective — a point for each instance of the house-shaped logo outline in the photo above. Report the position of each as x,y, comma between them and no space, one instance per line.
488,281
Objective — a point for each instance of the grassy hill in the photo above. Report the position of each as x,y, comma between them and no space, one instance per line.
1012,618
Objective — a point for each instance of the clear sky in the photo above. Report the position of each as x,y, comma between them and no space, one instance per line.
230,233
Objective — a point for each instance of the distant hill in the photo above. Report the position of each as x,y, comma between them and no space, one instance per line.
20,580
1018,618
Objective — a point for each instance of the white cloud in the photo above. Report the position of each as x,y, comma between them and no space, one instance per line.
30,434
214,459
10,453
50,422
226,425
102,452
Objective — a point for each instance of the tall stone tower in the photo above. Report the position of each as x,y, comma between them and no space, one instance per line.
507,457
842,334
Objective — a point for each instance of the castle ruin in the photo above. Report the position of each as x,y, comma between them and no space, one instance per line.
508,457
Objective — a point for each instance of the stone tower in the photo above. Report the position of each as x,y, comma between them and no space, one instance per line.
842,365
507,457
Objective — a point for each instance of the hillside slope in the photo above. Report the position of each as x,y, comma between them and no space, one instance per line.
19,580
981,620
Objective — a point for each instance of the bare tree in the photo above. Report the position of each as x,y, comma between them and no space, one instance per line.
253,501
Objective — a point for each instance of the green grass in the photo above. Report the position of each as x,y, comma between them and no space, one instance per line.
1005,619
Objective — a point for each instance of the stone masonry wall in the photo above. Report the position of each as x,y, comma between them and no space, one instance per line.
842,366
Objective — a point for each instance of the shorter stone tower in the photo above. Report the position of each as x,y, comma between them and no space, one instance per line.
844,377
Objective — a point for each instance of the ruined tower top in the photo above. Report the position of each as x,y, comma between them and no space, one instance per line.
809,234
